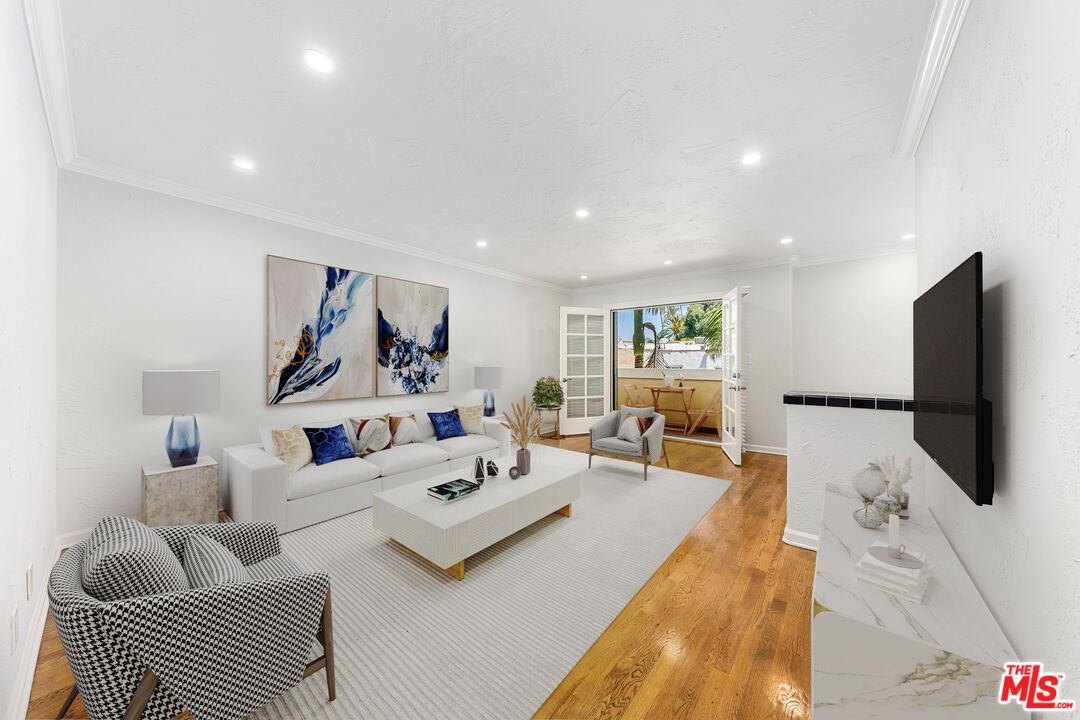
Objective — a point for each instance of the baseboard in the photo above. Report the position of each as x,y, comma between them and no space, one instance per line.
767,449
801,539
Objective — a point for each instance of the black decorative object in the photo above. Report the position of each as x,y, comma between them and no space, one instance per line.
478,470
492,469
514,473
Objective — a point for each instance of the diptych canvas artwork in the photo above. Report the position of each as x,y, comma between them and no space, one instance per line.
320,332
413,325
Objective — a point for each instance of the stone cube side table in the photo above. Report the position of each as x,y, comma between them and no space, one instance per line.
180,496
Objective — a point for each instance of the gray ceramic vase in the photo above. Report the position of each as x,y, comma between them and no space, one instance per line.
524,458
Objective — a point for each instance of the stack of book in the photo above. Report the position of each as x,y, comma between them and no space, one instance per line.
904,582
453,490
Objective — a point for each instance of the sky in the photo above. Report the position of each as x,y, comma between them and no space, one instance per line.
625,320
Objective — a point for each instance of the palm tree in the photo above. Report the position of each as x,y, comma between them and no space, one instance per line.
639,335
714,329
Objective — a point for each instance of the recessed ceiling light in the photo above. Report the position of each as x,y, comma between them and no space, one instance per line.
908,236
786,241
667,262
481,243
751,158
584,277
243,164
319,62
582,213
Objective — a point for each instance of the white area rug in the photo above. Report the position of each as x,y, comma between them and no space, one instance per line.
412,643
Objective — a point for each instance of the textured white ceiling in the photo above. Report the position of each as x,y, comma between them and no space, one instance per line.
450,121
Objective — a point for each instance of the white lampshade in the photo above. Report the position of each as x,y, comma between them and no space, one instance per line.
487,377
180,392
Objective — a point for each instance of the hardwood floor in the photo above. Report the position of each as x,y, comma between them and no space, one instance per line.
721,630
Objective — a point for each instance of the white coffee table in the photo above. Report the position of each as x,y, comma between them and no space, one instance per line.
445,534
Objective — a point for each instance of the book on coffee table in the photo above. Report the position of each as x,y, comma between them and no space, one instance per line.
453,490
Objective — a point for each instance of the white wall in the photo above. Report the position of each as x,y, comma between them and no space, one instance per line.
828,443
999,171
851,326
148,281
767,326
28,350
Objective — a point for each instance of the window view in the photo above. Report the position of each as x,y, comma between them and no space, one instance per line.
669,358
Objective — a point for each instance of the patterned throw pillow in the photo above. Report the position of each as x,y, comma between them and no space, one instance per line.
447,424
372,434
125,559
472,418
292,447
329,444
207,562
404,429
633,427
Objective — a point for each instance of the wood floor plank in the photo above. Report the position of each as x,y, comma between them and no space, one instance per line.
721,630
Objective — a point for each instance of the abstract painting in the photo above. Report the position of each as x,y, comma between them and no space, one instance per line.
320,332
413,321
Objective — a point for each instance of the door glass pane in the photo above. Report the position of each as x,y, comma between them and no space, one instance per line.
575,387
595,365
596,324
576,365
575,323
595,386
596,344
575,344
596,407
575,408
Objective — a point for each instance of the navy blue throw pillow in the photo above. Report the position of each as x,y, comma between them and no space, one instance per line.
447,424
329,444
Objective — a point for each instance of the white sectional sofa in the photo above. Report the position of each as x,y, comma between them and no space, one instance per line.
261,489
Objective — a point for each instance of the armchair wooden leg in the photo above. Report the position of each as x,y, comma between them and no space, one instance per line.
328,647
67,703
663,447
590,458
142,696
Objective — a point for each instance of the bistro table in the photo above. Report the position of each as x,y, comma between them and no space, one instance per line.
687,395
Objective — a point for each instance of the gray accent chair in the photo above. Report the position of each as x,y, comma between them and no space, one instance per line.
604,440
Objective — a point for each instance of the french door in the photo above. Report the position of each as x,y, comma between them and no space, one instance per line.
583,334
731,435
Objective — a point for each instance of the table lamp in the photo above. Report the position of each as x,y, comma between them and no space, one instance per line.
181,393
487,378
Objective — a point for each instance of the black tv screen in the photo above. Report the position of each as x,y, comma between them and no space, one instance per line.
952,419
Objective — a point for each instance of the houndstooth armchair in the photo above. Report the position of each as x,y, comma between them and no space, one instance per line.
218,652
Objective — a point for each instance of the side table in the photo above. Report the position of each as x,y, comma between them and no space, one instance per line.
180,496
557,409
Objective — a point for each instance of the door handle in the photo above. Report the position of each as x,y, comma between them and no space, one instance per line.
564,379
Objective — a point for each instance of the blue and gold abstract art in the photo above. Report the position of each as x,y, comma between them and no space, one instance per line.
413,326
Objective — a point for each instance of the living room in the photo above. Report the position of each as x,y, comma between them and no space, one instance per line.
190,189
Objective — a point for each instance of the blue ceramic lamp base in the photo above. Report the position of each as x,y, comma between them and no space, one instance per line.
182,442
489,403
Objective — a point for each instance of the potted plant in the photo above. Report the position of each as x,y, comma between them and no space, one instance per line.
548,393
523,422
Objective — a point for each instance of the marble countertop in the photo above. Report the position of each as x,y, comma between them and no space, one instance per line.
953,615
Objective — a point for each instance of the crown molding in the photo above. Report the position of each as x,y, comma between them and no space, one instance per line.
156,184
45,28
905,249
941,37
710,271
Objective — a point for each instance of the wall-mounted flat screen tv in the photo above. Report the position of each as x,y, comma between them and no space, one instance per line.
952,419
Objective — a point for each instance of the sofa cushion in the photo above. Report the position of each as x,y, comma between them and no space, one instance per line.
447,424
315,479
372,434
124,559
404,428
403,458
457,447
472,418
330,444
615,445
207,562
275,566
292,447
266,431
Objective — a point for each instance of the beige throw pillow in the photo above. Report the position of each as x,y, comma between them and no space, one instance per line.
404,429
372,434
632,428
472,418
292,447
